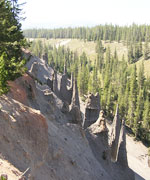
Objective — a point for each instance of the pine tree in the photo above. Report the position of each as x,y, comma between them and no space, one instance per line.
141,77
132,96
146,114
146,49
138,113
11,41
130,55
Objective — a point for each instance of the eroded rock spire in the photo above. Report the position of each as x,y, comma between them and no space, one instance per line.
114,141
55,83
75,95
122,152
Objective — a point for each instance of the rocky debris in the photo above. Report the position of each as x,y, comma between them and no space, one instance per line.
23,135
50,149
40,97
23,90
75,96
92,109
122,152
115,134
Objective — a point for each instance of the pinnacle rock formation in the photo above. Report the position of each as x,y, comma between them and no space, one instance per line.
100,124
39,132
55,83
97,134
64,95
92,109
122,152
114,141
75,96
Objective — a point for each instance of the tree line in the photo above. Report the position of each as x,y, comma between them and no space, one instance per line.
109,32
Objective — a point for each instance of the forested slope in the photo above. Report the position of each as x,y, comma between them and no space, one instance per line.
117,70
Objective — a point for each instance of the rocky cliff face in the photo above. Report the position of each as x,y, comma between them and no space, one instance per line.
41,132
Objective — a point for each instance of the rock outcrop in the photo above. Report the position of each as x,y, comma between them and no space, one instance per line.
40,133
122,152
23,135
50,148
98,139
55,83
92,109
39,69
64,94
75,96
115,134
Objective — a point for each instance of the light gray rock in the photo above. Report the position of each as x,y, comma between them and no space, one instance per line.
98,139
64,93
115,134
55,83
75,96
122,152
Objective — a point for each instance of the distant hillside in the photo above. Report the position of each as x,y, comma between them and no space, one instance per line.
88,47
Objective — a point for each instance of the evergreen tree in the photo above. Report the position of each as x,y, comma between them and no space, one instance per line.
138,113
132,96
11,41
146,49
141,77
